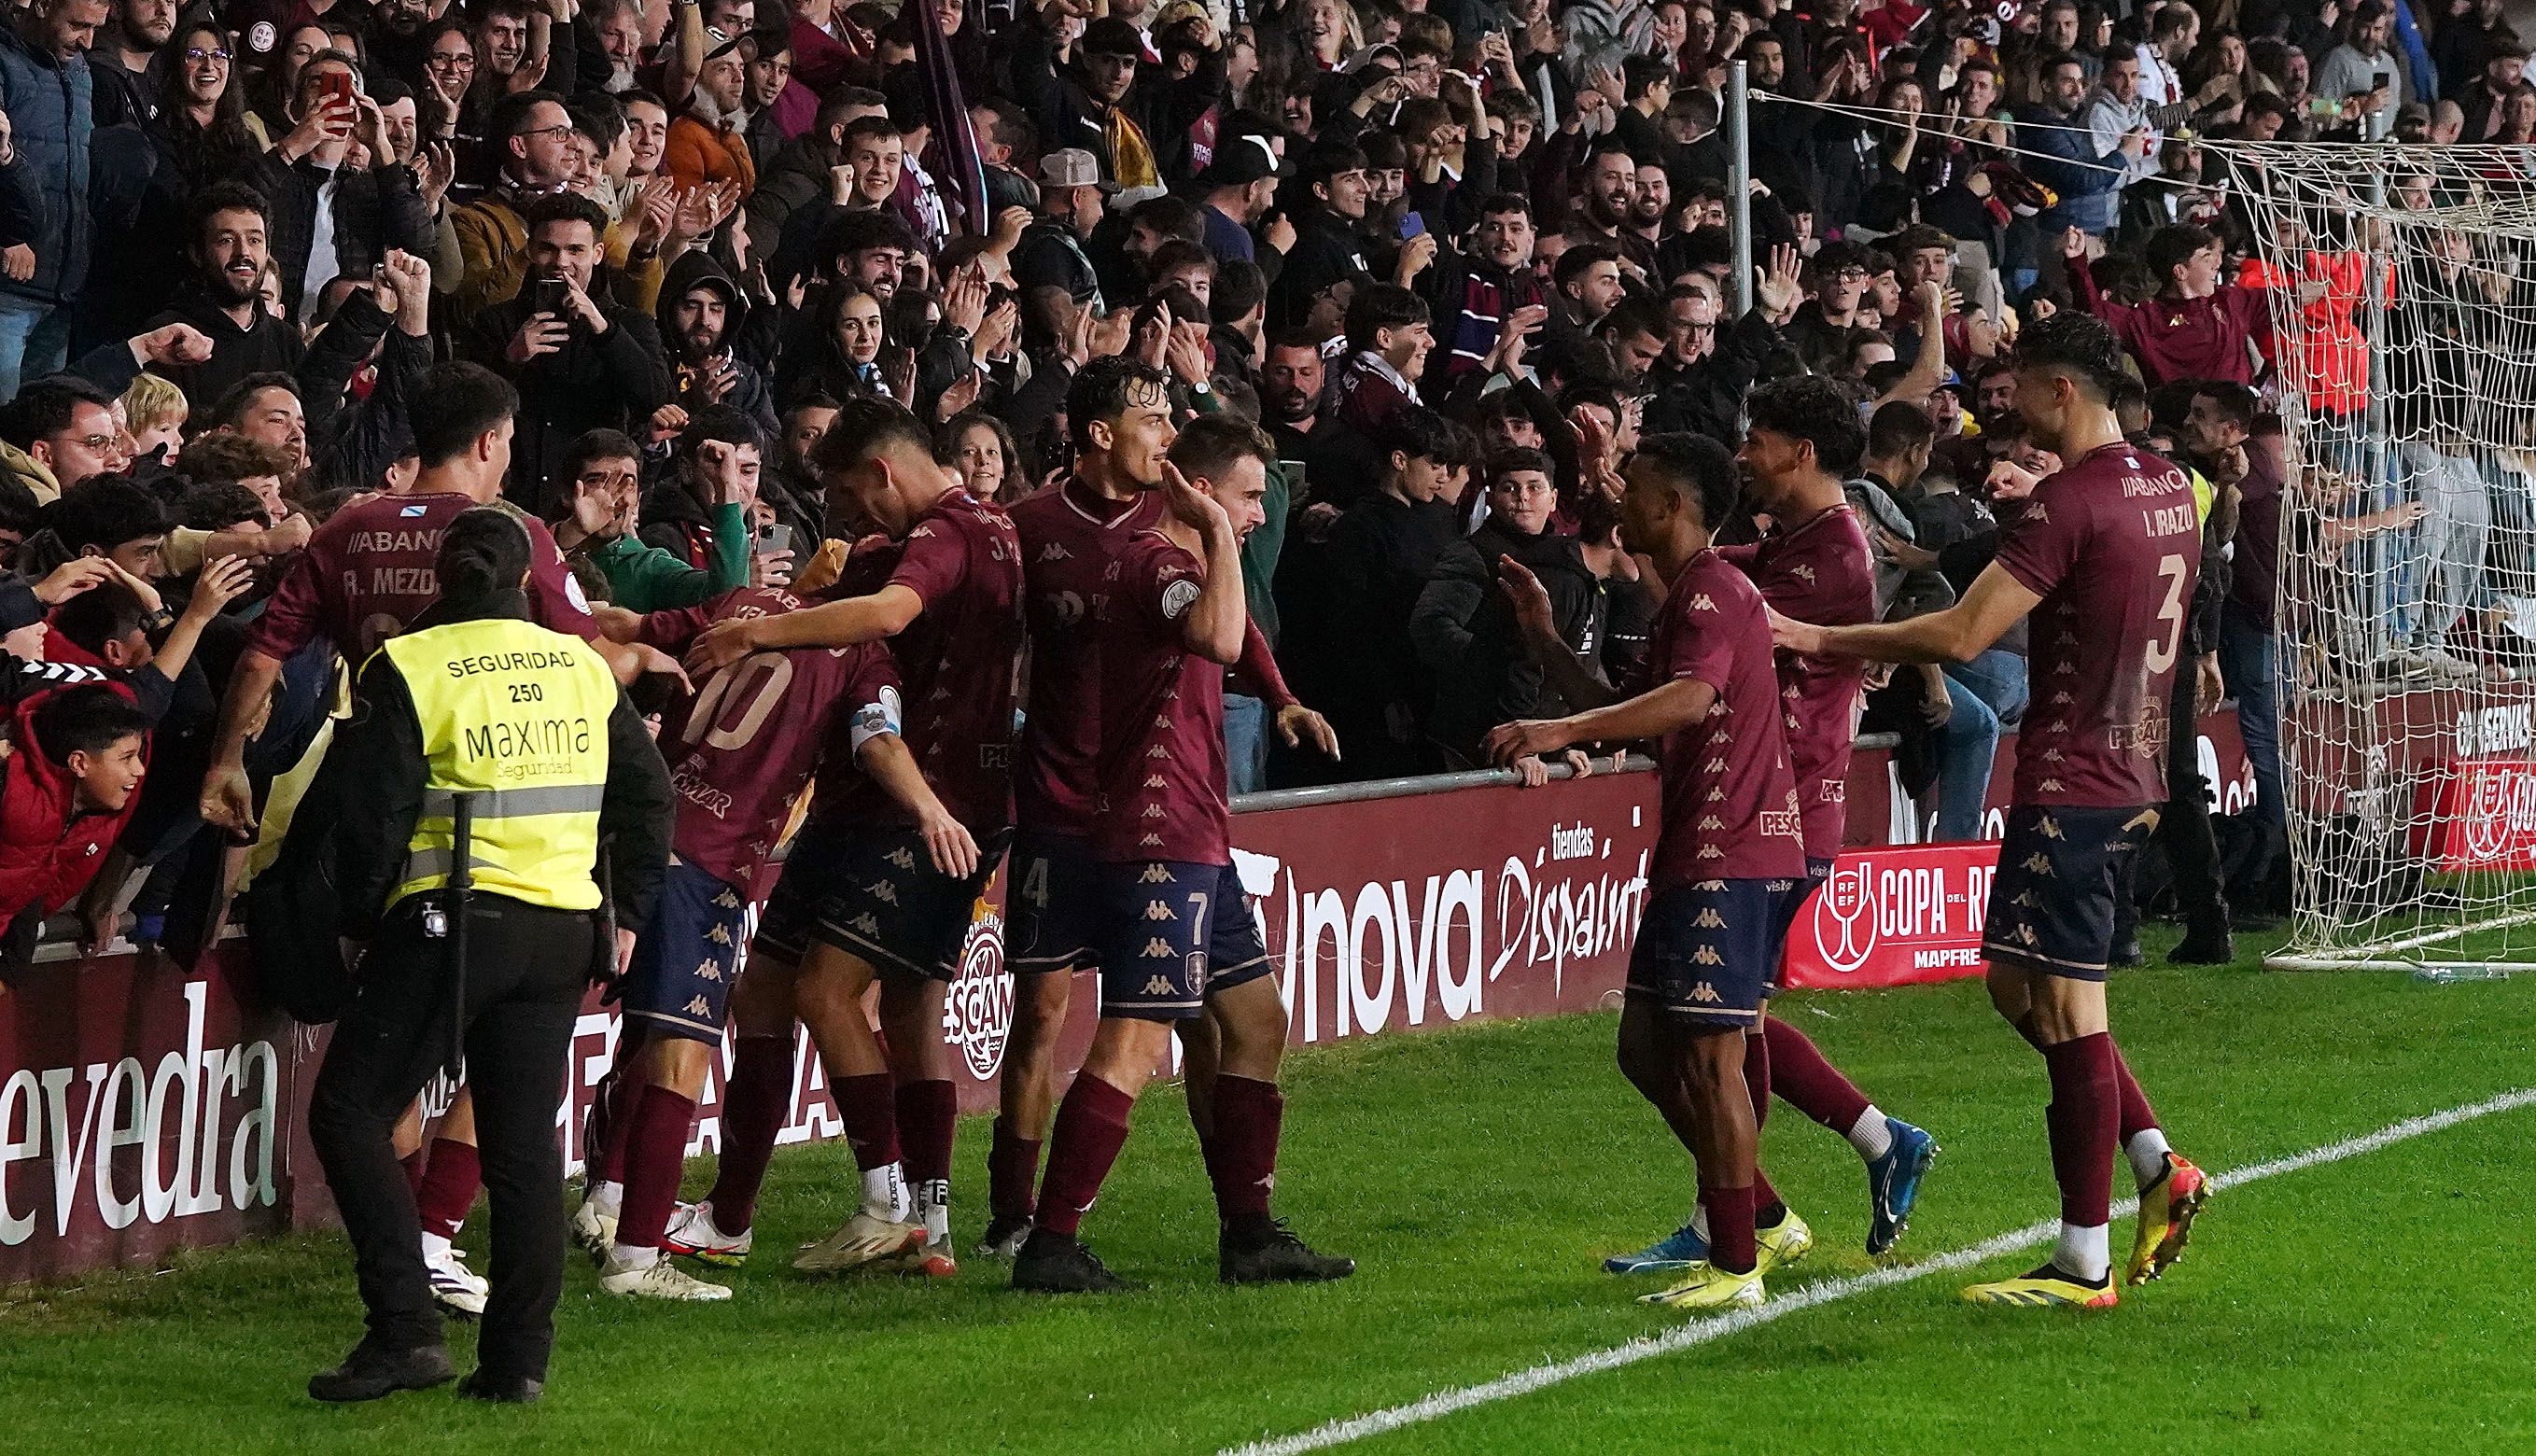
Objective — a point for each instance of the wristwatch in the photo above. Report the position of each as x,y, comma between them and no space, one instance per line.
157,621
1201,388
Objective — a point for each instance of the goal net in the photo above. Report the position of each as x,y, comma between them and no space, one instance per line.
2403,291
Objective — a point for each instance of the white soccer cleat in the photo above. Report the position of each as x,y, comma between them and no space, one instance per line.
595,1229
455,1288
694,1234
661,1279
865,1240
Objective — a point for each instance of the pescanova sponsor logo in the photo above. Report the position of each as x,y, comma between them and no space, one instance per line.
1364,955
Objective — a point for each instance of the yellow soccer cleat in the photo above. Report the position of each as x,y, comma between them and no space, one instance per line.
2167,1208
2045,1286
1778,1247
1711,1287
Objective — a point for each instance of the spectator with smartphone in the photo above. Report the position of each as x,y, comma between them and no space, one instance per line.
582,362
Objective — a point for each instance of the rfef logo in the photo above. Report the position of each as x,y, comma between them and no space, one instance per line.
1844,919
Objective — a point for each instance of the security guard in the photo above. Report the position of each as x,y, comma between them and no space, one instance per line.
487,760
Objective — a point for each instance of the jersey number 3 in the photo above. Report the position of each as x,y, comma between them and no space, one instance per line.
2170,615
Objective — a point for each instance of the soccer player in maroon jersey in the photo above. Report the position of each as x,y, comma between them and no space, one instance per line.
1730,847
1174,937
863,897
2104,557
739,750
1119,412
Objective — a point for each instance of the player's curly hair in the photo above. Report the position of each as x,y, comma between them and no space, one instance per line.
2077,344
1694,467
1811,409
1101,392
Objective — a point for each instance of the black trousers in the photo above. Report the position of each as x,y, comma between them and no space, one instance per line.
526,969
2184,833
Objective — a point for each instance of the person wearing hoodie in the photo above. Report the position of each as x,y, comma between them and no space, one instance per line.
701,314
708,495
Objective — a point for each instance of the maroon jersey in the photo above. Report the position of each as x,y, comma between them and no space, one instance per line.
371,569
1070,538
1162,774
1822,573
741,748
1728,809
2112,542
956,659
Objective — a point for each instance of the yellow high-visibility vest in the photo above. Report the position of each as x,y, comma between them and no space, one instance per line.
516,717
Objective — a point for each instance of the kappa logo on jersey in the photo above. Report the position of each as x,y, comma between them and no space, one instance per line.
708,971
863,924
1158,751
2039,863
1708,918
1155,811
1707,955
1701,602
1716,766
698,1006
1149,842
887,892
1157,949
719,936
978,1007
1155,874
1154,781
1155,909
1055,552
1706,993
1711,821
1158,985
903,857
725,901
1802,573
2048,828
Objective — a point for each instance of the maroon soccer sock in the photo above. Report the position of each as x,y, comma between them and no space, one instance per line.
754,1104
2136,1115
451,1180
2081,1121
1730,1226
1013,1175
1091,1128
656,1146
928,1117
1241,1162
1806,1080
868,1106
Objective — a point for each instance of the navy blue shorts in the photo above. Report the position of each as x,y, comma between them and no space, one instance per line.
1708,951
1051,905
686,958
1790,905
1171,933
872,891
2059,870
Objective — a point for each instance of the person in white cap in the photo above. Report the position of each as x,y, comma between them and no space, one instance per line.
1052,250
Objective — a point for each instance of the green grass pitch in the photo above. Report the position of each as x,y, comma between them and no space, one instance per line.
1479,1175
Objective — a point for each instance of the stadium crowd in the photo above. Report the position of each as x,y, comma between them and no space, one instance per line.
270,271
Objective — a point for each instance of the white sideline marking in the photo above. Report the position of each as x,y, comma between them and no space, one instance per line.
1706,1331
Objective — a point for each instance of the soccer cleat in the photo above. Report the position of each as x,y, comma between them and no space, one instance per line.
2167,1208
1893,1183
1712,1288
458,1289
594,1229
2046,1286
1682,1248
501,1390
661,1279
1782,1244
693,1234
933,1260
1003,1238
1274,1254
861,1241
370,1373
1054,1264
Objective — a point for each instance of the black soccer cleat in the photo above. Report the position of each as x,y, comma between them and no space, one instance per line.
1271,1254
501,1390
2204,946
371,1372
1054,1264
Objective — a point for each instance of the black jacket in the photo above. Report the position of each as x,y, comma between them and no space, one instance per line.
1465,629
324,366
381,758
611,380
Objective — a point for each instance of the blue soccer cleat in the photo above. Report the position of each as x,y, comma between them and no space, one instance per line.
1893,1183
1679,1249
